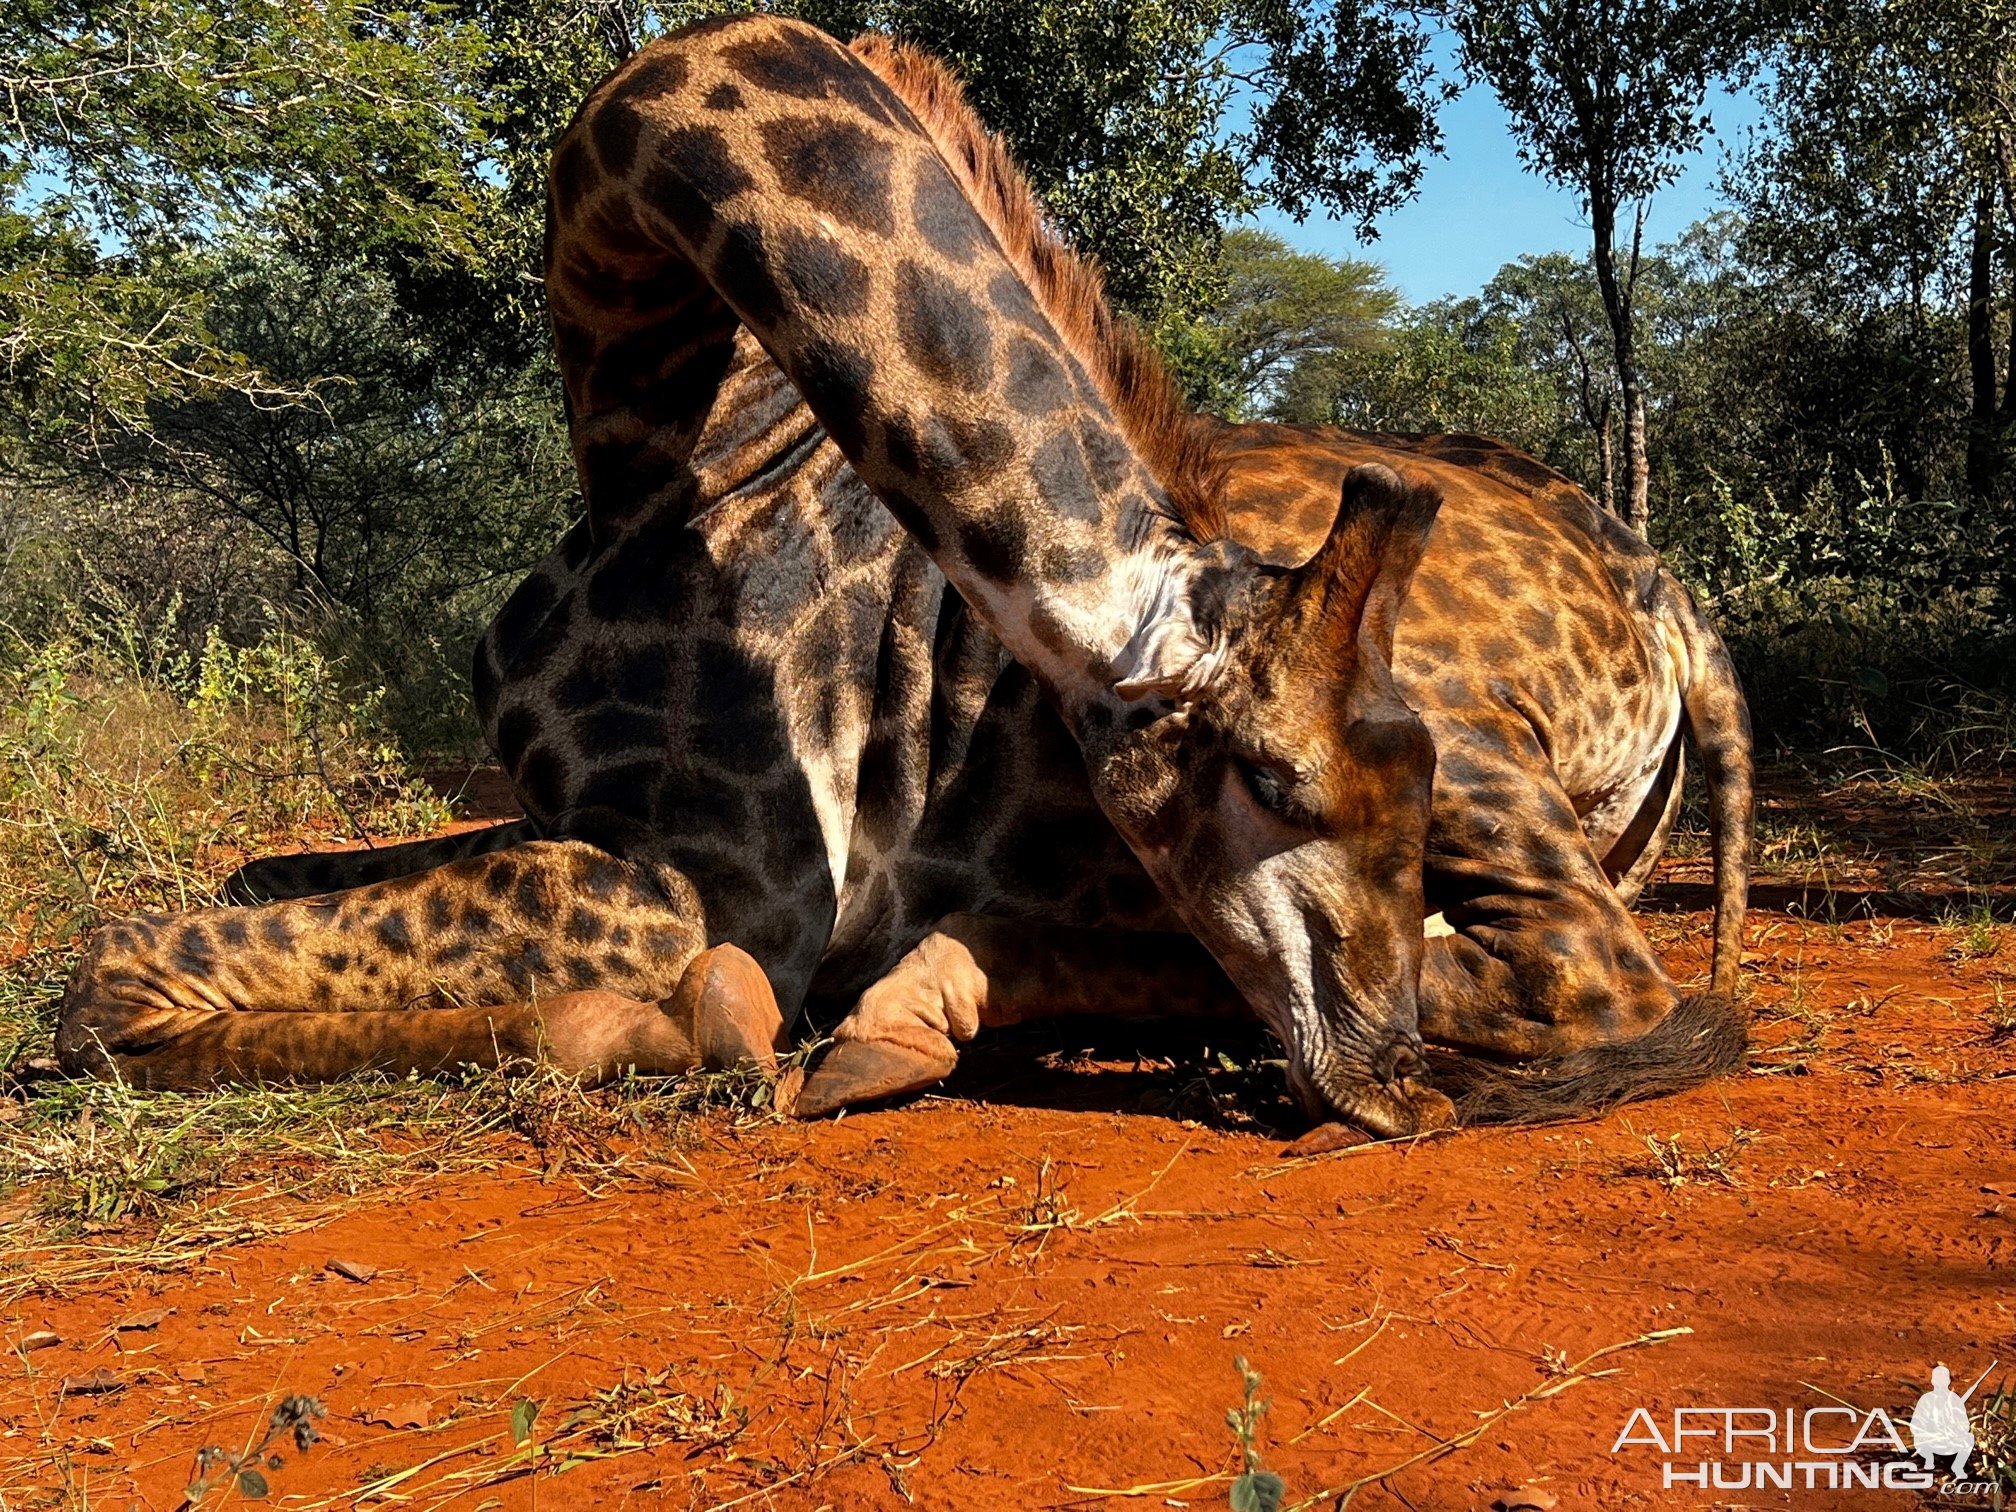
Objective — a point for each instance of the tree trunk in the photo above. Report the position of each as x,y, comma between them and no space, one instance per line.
1617,297
1606,459
1982,423
2005,162
2009,378
1637,464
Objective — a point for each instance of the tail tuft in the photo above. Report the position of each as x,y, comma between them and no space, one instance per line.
1702,1038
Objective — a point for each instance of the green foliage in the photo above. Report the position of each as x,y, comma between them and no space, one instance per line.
1447,366
1606,99
1286,318
414,141
143,126
1995,1443
270,322
1807,466
272,333
293,1418
1254,1489
1886,115
1847,610
1885,192
524,1413
391,506
134,774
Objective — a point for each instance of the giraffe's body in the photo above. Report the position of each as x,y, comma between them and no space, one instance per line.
745,703
1559,667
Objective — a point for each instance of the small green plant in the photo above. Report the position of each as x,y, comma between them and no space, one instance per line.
218,1468
1995,1445
1977,934
1255,1489
2001,1015
1669,1162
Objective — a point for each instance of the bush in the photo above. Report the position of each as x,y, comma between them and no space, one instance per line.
1859,616
135,775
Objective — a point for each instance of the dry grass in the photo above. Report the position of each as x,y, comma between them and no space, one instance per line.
1673,1163
135,779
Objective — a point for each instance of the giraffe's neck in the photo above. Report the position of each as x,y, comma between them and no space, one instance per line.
823,217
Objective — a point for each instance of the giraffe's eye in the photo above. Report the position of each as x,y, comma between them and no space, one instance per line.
1266,785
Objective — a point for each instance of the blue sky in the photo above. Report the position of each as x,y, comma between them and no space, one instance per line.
1478,208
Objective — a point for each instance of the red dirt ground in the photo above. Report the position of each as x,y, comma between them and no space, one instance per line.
1029,1291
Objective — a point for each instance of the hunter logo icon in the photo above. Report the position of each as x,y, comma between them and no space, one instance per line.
1939,1422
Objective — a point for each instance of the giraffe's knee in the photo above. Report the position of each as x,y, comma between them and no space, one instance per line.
935,996
1549,989
598,1035
124,996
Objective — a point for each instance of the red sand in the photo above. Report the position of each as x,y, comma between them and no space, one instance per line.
1032,1288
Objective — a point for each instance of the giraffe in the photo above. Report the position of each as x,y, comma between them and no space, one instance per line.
1560,755
902,644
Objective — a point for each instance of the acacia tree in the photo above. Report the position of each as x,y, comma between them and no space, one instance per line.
415,140
1552,300
1286,317
134,130
1606,99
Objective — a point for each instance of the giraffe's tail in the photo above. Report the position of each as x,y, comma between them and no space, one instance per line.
1704,1037
1719,719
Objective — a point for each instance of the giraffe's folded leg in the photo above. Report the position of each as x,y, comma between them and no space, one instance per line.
550,950
1553,999
972,973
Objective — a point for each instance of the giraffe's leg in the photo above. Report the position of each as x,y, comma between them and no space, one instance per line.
972,973
551,949
1637,851
273,878
1545,966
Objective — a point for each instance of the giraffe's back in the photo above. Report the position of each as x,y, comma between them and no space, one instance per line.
1531,608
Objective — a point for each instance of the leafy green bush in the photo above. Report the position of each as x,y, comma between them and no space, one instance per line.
1860,616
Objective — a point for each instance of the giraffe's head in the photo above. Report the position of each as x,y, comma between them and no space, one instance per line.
1275,784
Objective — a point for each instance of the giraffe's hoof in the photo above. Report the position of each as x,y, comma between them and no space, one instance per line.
1325,1139
726,997
859,1071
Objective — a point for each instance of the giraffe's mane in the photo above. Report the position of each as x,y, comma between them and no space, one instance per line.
1070,288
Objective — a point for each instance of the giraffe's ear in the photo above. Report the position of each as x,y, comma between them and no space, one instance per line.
1184,640
1356,583
1168,659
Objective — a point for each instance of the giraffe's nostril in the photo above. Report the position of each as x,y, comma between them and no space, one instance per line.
1401,1060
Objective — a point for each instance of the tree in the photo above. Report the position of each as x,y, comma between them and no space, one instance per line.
1889,178
1147,125
1553,303
1284,313
1450,365
414,140
1606,99
140,127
